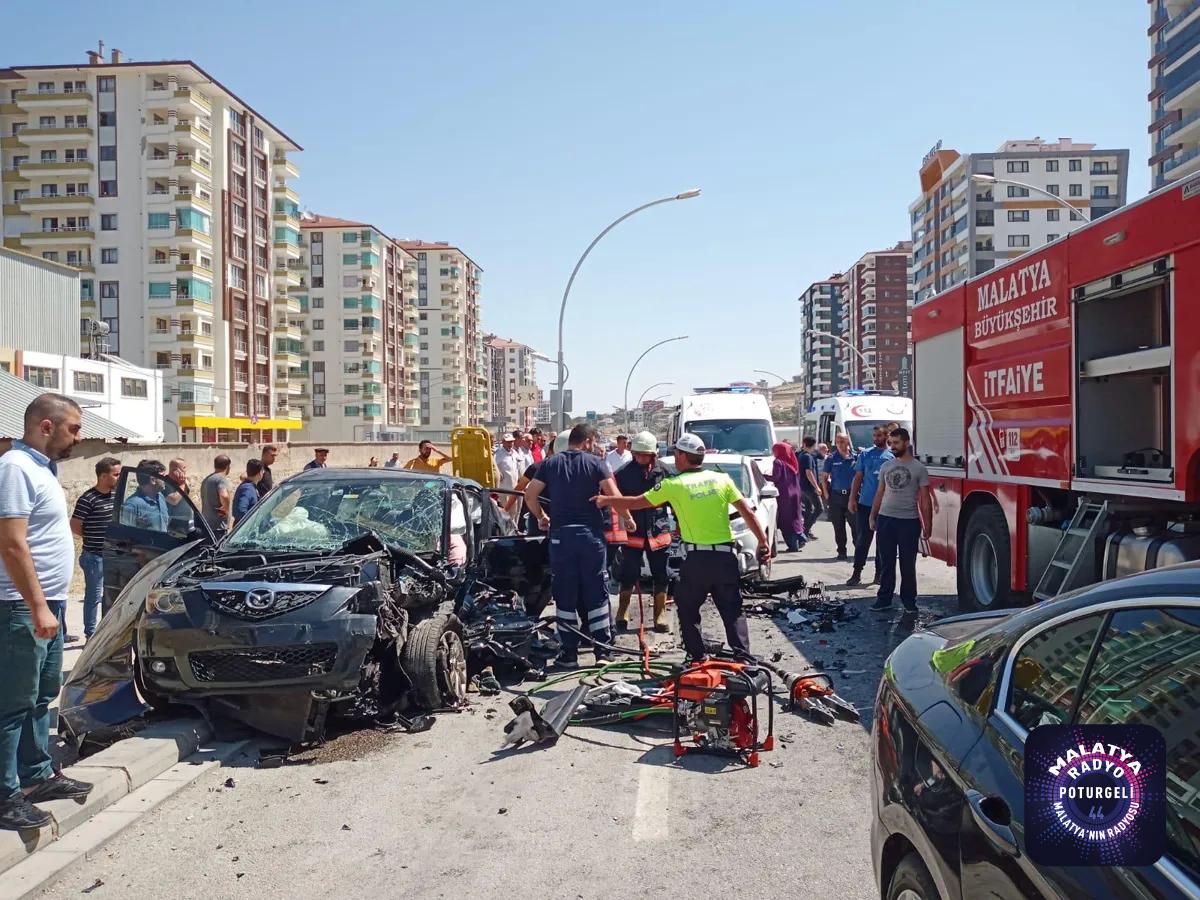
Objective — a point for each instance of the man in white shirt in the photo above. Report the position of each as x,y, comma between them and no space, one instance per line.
524,448
393,463
620,455
509,463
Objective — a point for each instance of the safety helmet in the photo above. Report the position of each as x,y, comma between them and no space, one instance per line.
644,442
689,443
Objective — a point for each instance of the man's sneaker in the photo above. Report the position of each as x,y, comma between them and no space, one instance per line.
18,813
809,536
881,606
842,557
855,579
603,656
910,608
59,787
566,661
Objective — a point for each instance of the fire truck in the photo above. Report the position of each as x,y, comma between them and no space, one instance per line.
1057,407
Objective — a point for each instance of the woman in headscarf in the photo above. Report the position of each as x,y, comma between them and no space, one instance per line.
785,474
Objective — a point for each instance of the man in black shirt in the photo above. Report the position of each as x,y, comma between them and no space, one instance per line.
810,488
577,548
650,532
93,513
269,453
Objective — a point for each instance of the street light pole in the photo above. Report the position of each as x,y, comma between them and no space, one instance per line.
635,365
992,179
562,310
657,384
833,337
782,380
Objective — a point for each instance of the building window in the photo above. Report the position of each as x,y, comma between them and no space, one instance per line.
109,290
1052,165
1018,240
1051,237
1017,191
1018,165
42,377
318,324
108,254
1075,165
1052,189
106,84
318,302
108,221
1075,190
158,220
985,217
1100,190
318,345
89,382
1052,215
1018,215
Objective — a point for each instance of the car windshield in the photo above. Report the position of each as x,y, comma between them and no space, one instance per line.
325,513
749,436
735,471
860,432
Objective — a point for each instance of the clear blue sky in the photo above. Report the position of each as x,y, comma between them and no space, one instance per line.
518,130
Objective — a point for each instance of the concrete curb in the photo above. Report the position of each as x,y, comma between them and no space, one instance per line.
116,772
37,869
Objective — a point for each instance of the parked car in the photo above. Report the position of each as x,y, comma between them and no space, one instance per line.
358,592
757,490
957,701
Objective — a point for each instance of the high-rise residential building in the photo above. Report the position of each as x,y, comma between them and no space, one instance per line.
1174,90
170,193
356,305
512,385
877,301
452,364
822,311
962,226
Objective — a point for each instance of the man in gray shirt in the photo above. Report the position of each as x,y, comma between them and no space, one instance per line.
216,496
901,512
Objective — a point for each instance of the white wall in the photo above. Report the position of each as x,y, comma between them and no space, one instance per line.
141,414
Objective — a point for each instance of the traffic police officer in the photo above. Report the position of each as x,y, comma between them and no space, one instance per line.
837,475
649,531
700,499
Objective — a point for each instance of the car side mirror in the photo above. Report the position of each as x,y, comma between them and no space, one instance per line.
768,491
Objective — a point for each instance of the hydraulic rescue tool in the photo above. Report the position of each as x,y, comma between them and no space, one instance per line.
812,694
716,701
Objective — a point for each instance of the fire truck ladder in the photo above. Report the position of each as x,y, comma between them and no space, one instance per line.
1075,553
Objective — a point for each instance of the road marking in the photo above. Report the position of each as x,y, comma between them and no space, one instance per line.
652,811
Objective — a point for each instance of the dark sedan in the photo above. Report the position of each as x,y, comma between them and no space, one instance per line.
957,701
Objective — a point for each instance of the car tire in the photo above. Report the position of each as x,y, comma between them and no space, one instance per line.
984,562
912,881
435,660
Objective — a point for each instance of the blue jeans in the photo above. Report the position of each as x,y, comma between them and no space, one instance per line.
93,589
31,681
577,566
897,537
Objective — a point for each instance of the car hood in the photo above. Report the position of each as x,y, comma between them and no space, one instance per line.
100,692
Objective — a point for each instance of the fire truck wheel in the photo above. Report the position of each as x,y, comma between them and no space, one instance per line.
984,570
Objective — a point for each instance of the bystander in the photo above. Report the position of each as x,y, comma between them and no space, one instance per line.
216,496
90,521
246,494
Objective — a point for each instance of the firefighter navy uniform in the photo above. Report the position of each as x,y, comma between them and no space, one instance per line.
651,539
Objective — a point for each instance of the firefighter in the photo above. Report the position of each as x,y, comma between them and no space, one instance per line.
700,499
648,531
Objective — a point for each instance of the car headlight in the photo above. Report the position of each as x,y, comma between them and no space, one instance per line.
164,601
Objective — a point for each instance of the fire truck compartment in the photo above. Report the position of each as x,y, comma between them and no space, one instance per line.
1123,387
939,418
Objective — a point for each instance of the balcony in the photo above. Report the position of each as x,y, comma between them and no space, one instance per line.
1183,129
287,304
55,134
1171,169
63,235
288,330
284,167
194,132
283,190
200,202
191,268
57,167
57,203
194,236
32,101
194,340
200,169
195,98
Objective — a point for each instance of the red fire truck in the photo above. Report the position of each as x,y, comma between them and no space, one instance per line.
1057,407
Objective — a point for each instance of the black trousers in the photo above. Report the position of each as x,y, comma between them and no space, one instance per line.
631,567
862,536
811,507
839,515
707,572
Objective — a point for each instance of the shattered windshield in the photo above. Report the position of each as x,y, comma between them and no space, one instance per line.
324,514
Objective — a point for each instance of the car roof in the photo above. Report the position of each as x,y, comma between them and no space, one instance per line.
335,473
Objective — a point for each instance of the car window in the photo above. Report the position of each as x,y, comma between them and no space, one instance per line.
1147,672
1046,673
154,503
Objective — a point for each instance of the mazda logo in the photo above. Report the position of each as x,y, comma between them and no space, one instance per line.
260,599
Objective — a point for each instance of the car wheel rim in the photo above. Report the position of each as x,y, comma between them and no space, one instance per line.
452,668
909,894
984,570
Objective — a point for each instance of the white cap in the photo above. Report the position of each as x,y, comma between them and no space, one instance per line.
644,442
689,443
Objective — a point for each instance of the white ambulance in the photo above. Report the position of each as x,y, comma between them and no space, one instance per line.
729,420
855,413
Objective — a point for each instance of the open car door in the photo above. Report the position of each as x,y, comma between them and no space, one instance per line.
151,515
510,559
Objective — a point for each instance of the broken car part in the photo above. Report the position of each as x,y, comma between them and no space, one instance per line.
546,726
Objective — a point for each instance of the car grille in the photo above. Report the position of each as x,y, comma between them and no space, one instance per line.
234,603
262,663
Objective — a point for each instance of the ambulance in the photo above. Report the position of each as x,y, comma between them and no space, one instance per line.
855,413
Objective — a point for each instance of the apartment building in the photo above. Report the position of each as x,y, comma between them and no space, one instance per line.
1174,90
877,301
513,394
963,225
822,312
356,307
170,194
453,369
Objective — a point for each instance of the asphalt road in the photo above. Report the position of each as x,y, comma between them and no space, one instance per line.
606,813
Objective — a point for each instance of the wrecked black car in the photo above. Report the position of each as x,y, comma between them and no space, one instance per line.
366,594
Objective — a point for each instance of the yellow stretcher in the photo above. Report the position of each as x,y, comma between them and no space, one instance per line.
471,447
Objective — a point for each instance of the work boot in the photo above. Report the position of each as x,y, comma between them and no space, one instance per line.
660,613
623,610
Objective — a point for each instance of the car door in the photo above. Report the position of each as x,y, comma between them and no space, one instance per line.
510,561
1084,667
763,498
143,528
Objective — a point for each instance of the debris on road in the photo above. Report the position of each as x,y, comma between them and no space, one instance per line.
91,887
546,726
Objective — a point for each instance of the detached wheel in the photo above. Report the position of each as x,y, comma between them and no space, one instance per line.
912,881
435,661
984,569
